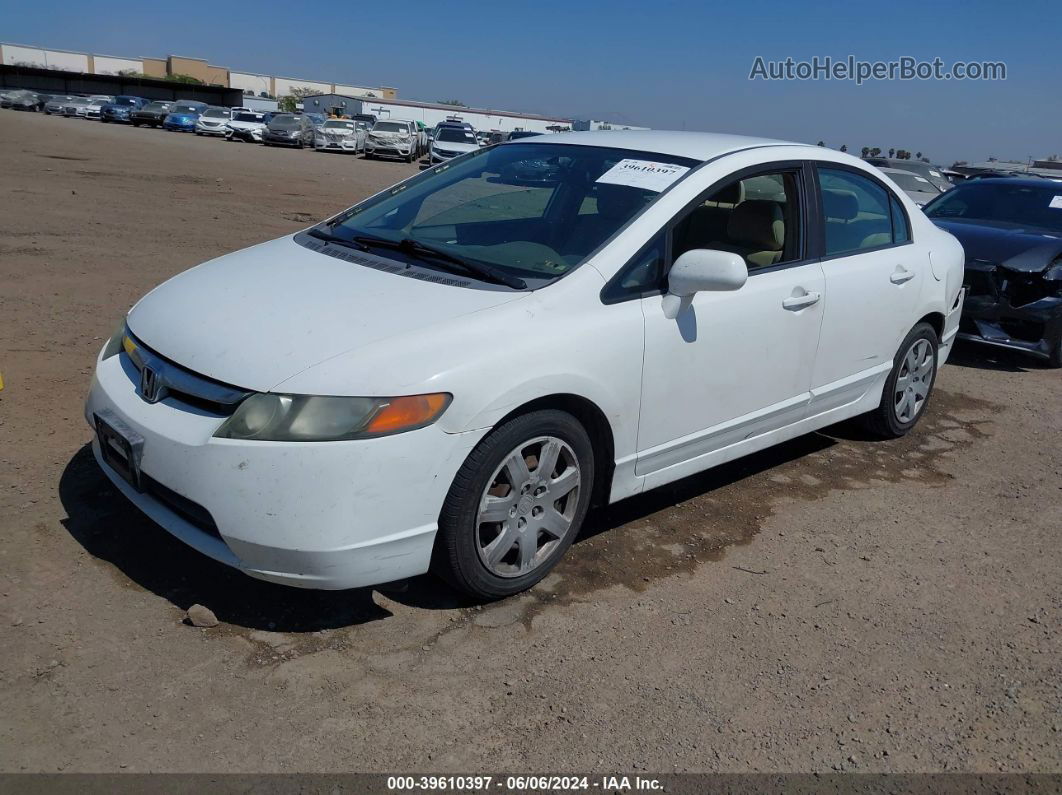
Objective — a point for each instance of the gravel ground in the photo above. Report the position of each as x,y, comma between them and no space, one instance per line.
832,604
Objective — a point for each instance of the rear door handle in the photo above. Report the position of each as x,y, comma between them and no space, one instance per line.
901,275
797,302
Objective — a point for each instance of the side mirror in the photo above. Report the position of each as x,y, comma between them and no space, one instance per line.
700,270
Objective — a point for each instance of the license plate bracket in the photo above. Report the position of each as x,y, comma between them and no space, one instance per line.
120,446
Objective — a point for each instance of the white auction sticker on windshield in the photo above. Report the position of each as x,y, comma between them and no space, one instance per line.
643,174
1056,203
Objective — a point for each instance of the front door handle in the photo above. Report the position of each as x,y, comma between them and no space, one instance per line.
901,275
797,302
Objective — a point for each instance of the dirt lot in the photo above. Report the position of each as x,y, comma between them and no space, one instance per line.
835,603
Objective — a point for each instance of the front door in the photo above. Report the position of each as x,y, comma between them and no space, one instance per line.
732,366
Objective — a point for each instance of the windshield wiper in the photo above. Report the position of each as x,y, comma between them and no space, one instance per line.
422,250
339,241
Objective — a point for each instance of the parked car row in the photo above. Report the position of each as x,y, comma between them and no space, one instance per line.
401,139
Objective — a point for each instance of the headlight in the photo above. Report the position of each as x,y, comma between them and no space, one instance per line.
309,418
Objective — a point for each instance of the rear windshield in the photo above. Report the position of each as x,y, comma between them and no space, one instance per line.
913,182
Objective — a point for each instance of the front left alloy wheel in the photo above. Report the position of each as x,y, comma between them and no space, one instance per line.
516,505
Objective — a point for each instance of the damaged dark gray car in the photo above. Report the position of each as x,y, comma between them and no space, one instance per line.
1011,230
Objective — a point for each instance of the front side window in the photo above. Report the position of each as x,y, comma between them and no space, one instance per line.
534,210
856,212
757,217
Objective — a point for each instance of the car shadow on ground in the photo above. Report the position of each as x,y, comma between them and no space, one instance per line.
112,529
606,518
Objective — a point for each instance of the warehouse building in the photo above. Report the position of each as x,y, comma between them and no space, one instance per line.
249,83
431,113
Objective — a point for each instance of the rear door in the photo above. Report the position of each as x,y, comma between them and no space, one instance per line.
873,273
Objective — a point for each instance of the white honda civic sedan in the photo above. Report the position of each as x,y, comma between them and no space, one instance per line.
446,375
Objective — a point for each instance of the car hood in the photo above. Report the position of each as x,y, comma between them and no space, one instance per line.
182,118
258,316
1029,249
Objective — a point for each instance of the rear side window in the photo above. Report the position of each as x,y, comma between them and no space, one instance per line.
858,213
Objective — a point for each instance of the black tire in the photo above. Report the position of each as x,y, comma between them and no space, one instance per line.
456,557
1054,358
883,421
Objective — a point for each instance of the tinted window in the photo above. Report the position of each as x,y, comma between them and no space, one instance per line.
757,217
856,212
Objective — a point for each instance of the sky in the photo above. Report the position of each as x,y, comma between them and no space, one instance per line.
666,65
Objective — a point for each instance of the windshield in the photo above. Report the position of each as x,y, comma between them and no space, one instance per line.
157,106
389,126
285,120
334,124
185,109
455,135
215,113
1009,204
913,182
534,211
248,117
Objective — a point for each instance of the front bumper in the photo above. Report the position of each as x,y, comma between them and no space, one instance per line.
391,148
281,140
349,144
248,136
204,129
329,515
1010,309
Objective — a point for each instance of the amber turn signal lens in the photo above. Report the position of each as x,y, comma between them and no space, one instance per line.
407,413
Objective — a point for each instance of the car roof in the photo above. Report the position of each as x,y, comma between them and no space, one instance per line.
1028,182
694,145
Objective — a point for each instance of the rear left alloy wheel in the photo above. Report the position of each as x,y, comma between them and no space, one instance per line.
516,505
908,387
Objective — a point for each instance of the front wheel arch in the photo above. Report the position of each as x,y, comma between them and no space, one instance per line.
595,422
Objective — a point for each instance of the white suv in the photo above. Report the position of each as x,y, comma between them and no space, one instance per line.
393,138
445,375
